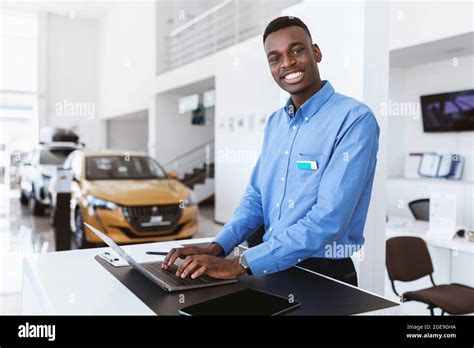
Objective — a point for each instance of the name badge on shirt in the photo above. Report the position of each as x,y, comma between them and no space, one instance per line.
307,165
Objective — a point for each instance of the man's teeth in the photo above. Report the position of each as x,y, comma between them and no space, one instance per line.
293,75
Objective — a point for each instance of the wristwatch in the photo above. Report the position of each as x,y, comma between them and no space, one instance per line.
244,264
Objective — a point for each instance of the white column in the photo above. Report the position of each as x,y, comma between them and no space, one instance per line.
375,93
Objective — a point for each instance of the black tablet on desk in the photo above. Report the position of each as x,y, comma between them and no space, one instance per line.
243,302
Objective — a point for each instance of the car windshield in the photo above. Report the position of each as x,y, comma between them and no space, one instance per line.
55,156
123,167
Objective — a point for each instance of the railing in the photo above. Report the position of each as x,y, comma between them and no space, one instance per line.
198,157
225,24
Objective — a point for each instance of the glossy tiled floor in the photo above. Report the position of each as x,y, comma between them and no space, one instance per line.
22,234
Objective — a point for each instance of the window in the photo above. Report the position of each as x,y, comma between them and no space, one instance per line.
54,156
118,167
19,80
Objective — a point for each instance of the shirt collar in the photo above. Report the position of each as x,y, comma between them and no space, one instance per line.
311,106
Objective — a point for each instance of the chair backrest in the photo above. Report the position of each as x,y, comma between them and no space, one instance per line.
407,259
420,209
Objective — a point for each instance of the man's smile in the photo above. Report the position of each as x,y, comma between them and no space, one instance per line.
293,77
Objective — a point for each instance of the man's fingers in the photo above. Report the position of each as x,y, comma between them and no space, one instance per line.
168,256
190,268
201,270
173,257
183,265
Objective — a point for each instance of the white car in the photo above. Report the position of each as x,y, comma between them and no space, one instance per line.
36,172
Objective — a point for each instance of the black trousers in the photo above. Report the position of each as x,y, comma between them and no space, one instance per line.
340,269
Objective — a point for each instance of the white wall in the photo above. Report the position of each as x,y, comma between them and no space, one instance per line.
376,67
396,125
244,90
406,132
164,106
415,22
127,57
187,74
70,72
128,133
343,58
175,135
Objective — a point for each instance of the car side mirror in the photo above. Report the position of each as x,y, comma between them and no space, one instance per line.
172,174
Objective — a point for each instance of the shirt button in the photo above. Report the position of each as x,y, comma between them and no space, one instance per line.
278,204
286,152
299,260
282,179
264,271
306,119
294,127
271,229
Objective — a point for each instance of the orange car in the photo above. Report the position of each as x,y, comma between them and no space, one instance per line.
128,196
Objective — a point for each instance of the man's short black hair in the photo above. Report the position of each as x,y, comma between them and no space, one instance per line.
284,22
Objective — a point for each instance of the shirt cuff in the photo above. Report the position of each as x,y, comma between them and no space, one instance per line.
260,260
227,240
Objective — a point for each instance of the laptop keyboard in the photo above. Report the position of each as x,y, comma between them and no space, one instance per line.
168,276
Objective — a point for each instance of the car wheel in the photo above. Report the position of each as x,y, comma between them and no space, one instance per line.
80,233
23,198
36,207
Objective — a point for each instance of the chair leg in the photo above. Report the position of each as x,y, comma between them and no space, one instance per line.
431,310
442,313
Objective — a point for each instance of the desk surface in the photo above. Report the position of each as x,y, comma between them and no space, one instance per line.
400,226
73,282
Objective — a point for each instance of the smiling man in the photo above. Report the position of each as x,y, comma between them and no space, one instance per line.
311,186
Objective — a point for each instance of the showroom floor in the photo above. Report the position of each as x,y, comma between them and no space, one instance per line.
22,234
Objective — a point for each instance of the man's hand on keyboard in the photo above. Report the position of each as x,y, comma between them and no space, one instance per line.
197,265
213,249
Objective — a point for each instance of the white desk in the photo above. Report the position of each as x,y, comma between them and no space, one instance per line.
400,226
453,260
72,282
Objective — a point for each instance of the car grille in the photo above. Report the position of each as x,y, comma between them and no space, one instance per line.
147,218
130,234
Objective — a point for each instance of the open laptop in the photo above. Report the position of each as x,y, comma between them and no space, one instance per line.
166,279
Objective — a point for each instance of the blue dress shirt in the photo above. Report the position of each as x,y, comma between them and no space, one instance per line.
311,185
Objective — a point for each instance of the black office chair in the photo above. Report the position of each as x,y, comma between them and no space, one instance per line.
408,259
420,209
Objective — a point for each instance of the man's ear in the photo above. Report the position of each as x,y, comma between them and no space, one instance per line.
317,53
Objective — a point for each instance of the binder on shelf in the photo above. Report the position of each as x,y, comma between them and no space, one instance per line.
449,166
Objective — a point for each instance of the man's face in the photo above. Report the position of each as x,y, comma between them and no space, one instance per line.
292,59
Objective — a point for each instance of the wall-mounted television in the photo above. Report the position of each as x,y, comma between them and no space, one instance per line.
448,112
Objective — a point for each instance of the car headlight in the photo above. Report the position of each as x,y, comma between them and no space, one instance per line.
191,200
99,203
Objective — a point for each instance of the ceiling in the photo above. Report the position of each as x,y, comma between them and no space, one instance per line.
448,48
